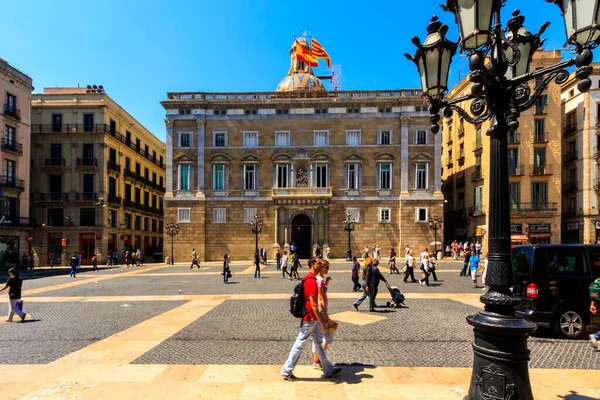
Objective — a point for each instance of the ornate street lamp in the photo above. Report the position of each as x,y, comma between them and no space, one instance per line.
172,230
435,223
349,225
256,226
499,61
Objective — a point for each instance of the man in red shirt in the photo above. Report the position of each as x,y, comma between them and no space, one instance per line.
313,324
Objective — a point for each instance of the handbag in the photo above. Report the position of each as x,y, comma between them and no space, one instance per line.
228,274
19,305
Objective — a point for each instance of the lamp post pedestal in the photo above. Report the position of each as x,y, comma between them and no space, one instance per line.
349,225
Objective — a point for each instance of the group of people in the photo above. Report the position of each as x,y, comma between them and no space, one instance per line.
285,261
27,261
427,266
472,264
458,249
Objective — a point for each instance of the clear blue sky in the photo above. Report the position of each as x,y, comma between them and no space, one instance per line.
139,50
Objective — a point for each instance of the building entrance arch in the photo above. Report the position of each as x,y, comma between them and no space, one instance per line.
302,235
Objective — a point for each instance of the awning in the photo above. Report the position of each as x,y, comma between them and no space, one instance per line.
539,235
519,238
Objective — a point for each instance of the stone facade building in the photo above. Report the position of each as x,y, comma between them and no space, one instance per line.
98,177
300,158
16,226
535,158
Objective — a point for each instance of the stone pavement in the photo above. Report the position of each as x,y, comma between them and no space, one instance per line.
130,333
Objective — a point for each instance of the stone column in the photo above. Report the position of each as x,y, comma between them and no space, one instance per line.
200,165
286,216
276,244
404,167
325,226
315,236
169,160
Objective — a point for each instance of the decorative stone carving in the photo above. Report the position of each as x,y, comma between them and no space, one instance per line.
301,178
200,122
169,123
405,120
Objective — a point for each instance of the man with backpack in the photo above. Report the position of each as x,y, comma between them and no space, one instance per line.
304,304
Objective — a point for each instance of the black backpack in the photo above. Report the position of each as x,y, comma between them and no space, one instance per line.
298,301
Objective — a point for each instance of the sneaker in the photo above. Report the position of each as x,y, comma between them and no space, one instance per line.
594,342
317,365
23,319
290,377
355,306
336,371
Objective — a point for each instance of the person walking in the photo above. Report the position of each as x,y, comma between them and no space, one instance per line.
314,325
109,261
73,264
485,266
94,262
115,255
355,274
278,260
328,253
78,260
323,302
474,267
256,265
127,258
293,248
14,285
366,272
392,262
432,268
410,267
264,255
226,269
296,264
463,270
375,277
284,265
425,266
25,267
194,259
365,253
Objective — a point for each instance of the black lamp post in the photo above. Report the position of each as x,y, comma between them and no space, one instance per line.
499,60
435,223
172,230
256,226
349,225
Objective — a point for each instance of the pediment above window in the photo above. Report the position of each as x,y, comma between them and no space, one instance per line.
420,156
250,158
281,157
222,157
385,156
185,158
321,157
353,156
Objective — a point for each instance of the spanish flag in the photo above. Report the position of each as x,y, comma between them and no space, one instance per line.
303,54
319,52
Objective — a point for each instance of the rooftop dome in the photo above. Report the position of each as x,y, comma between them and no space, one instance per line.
300,76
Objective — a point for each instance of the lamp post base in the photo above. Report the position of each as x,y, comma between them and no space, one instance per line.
500,368
349,255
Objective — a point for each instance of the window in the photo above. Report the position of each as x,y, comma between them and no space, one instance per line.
220,112
185,140
56,122
219,176
282,138
354,214
385,137
249,214
283,111
322,175
478,198
384,215
88,122
385,110
127,221
138,169
321,111
421,215
421,172
154,225
281,175
514,166
461,150
87,217
56,217
478,142
184,215
353,138
184,176
250,112
353,110
11,103
539,194
146,224
385,176
112,218
321,138
567,261
539,157
10,134
421,137
127,192
515,194
251,139
540,128
219,215
10,171
137,223
220,139
113,127
250,175
353,176
541,103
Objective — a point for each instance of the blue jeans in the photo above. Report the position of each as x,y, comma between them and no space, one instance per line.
278,266
73,270
225,278
257,271
307,330
363,296
597,335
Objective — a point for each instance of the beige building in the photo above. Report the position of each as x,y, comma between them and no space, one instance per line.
300,158
98,177
16,226
535,158
581,157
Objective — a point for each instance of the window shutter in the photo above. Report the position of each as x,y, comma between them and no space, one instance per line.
359,174
378,176
347,178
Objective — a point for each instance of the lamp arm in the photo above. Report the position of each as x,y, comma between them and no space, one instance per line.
559,77
479,106
514,82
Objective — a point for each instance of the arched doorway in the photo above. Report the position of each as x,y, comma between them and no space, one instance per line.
301,234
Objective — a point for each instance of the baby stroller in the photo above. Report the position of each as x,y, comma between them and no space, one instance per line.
397,297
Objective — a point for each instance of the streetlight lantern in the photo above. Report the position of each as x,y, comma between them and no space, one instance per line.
582,20
172,230
349,225
474,18
256,226
526,43
433,58
435,224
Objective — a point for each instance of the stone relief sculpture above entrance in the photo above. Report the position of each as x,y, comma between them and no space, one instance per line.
301,178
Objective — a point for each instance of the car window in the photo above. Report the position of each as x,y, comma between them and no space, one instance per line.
521,259
566,261
594,255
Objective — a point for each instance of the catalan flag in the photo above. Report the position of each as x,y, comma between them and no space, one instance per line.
319,52
303,54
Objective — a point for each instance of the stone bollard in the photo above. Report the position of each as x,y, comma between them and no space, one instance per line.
167,260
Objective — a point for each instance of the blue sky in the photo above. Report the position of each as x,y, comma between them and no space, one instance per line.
139,50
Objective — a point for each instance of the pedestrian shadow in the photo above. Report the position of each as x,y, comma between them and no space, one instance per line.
351,373
573,395
232,283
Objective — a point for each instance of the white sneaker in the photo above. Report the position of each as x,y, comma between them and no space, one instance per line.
594,342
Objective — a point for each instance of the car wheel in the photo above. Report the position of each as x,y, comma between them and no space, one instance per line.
570,324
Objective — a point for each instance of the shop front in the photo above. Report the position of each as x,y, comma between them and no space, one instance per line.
516,234
539,233
572,232
9,251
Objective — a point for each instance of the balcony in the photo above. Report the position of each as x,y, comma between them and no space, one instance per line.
569,130
516,170
449,142
113,166
476,176
450,165
86,196
114,200
461,132
12,147
54,162
569,157
12,182
130,174
570,212
569,187
513,138
539,170
533,207
51,196
301,192
461,160
475,211
18,221
87,162
540,137
130,203
12,111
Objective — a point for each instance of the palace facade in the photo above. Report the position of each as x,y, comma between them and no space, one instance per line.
300,159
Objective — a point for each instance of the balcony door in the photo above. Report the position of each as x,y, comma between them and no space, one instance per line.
56,122
88,151
10,171
88,183
539,195
56,151
55,183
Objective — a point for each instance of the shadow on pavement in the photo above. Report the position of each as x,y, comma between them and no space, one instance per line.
351,373
50,272
573,395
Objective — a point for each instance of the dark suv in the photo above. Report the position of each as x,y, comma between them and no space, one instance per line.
553,282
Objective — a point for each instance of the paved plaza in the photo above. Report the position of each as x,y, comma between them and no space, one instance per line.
161,331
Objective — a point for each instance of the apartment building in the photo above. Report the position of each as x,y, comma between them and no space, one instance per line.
98,177
535,158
